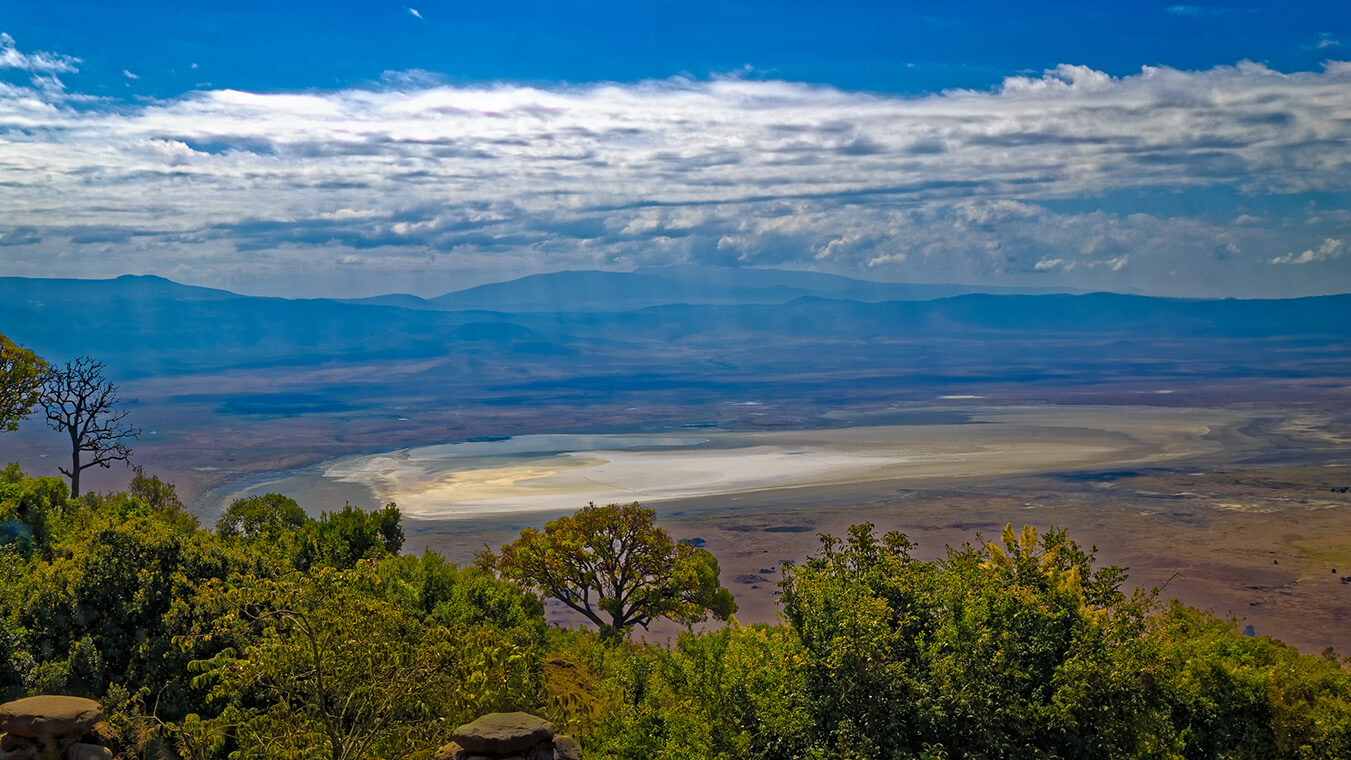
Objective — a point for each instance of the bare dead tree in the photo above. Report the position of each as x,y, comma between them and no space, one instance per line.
81,402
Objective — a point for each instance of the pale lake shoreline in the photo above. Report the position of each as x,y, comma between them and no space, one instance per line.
511,479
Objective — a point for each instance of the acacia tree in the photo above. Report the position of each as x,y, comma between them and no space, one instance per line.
613,565
21,373
81,402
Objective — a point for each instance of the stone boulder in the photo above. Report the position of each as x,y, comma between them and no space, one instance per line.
46,728
38,717
566,748
451,751
503,733
509,736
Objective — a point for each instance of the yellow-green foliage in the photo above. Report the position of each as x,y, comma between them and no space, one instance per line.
327,665
283,636
614,566
21,373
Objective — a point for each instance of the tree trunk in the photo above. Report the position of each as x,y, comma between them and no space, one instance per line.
74,466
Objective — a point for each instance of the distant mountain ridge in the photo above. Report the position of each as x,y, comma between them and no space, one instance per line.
128,287
599,290
149,325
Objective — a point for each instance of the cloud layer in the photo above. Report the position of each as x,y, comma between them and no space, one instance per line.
1022,184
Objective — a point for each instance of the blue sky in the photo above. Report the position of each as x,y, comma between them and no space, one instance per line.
349,148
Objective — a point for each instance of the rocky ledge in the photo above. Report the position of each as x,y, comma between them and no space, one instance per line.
51,728
509,736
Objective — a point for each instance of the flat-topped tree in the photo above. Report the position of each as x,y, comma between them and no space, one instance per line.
82,403
21,373
614,565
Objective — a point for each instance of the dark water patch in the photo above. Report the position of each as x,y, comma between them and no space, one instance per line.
968,526
283,404
1108,476
789,529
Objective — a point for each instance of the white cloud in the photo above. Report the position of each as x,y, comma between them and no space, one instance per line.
1326,40
414,13
886,258
959,185
129,75
39,62
1330,249
1195,10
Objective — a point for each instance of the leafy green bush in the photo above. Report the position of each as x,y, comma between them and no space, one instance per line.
279,635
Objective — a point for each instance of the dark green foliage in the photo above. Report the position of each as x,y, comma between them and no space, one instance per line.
267,517
617,568
1025,649
114,578
342,539
460,597
161,497
28,509
334,664
286,636
122,578
1229,695
733,693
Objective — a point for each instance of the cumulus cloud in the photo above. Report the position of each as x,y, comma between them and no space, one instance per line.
39,62
958,185
1330,249
414,13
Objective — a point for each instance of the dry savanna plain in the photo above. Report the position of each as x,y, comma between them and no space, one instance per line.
1190,500
1215,465
1220,497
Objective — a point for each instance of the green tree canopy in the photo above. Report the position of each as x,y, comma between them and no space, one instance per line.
267,517
333,664
614,565
342,539
21,373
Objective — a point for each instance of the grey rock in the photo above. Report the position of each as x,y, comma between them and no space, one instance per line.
503,733
451,751
50,716
566,748
26,752
17,748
